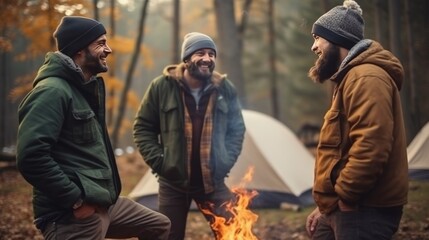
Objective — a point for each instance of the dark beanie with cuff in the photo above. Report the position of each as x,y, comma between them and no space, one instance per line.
342,25
75,33
195,41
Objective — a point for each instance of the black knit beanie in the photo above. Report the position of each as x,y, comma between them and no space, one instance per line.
194,41
75,33
342,25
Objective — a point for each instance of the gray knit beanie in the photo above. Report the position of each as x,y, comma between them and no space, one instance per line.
194,41
342,25
76,33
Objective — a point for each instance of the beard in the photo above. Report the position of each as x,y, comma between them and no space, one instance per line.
93,63
326,65
194,70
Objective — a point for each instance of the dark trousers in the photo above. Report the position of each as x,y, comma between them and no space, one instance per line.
368,223
175,204
125,219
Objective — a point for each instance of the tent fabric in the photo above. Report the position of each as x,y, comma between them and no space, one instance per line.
418,155
283,167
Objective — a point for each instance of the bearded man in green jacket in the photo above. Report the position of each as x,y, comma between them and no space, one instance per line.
64,149
190,130
361,171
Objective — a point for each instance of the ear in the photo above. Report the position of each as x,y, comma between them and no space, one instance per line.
80,52
79,56
186,62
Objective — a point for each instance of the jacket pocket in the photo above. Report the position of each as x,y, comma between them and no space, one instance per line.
85,128
169,119
331,130
221,104
97,186
221,116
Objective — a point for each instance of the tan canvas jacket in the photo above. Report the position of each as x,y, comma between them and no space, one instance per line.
361,156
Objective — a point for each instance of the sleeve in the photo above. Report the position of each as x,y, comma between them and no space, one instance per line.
235,128
146,129
41,116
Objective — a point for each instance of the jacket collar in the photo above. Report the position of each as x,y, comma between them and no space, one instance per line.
176,72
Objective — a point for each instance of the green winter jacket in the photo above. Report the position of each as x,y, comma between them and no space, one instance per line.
159,128
362,156
63,148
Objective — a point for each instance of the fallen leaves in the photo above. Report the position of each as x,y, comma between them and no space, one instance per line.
16,215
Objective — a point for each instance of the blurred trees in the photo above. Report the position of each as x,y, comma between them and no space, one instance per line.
406,35
25,33
272,59
123,102
230,44
395,45
28,36
175,40
300,99
264,47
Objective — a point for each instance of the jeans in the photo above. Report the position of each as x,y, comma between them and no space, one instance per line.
175,204
367,223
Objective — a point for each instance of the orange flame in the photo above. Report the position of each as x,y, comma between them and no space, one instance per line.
239,227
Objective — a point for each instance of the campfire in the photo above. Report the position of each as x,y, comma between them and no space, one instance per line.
239,227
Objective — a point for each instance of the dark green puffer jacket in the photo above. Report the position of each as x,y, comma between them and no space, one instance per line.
63,147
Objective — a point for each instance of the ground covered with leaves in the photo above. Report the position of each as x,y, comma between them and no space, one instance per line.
16,214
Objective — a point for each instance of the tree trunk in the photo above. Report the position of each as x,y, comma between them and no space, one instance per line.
243,23
111,72
326,6
415,109
378,20
175,58
94,5
229,56
4,89
272,59
329,86
134,60
395,45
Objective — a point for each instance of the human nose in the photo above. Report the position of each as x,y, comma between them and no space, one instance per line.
314,46
206,57
107,49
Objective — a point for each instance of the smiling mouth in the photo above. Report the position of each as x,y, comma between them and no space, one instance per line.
204,67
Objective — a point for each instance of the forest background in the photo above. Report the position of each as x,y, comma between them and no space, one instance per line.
264,47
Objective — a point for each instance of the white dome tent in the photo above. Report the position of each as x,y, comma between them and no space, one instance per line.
418,155
283,167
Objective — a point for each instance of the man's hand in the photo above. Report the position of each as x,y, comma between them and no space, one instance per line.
312,221
84,211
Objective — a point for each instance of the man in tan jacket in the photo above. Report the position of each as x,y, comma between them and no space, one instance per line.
361,171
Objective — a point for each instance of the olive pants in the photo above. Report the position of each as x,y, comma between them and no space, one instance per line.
175,204
124,219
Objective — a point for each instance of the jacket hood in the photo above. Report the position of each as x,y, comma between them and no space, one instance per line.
371,52
62,66
59,65
176,72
